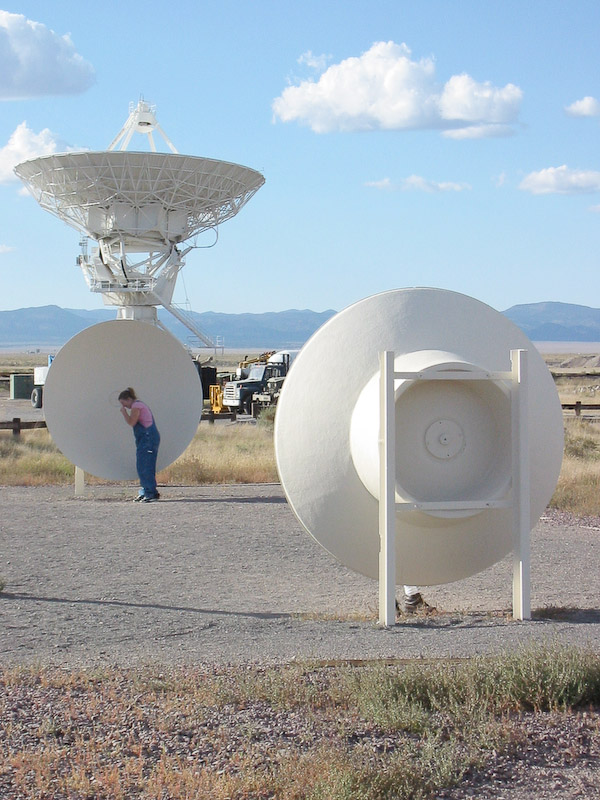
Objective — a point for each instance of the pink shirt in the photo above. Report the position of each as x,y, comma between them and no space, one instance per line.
145,417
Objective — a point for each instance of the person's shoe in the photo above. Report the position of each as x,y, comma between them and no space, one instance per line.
139,498
150,498
414,603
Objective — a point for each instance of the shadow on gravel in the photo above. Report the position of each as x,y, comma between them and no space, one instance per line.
212,500
449,619
165,500
565,614
159,607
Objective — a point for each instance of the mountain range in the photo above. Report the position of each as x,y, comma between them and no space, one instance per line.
52,326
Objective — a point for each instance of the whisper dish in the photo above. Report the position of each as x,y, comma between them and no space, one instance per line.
90,371
453,466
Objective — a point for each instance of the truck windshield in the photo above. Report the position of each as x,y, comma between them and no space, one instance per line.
256,372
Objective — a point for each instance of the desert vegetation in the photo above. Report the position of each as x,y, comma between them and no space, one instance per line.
303,731
300,732
243,452
221,453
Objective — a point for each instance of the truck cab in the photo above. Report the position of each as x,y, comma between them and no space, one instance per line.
238,394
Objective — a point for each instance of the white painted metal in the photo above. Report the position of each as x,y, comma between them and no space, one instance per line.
387,491
454,515
141,119
85,379
521,488
444,440
145,200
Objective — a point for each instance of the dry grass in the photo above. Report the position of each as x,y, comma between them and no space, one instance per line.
222,453
572,389
578,487
300,732
32,459
244,453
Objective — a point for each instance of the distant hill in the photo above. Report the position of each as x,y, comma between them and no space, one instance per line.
53,326
557,322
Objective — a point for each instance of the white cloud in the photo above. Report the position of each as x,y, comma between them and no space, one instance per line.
314,62
468,101
420,184
23,145
384,183
586,107
385,89
491,131
4,248
35,61
561,180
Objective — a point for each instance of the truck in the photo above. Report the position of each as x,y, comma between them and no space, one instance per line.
253,377
39,380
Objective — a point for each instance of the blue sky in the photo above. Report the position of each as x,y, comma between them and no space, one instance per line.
437,143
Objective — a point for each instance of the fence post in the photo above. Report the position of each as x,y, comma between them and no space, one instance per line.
16,426
578,408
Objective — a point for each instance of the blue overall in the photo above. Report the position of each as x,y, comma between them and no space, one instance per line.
147,441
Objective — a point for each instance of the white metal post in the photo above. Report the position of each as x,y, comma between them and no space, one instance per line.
520,488
387,492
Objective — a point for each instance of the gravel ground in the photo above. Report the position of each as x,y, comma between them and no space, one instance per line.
225,574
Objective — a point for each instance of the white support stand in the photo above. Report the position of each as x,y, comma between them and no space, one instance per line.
387,492
520,488
79,481
518,498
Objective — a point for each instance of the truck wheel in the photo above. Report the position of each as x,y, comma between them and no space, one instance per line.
36,397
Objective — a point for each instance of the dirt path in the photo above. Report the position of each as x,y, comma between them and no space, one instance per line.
226,574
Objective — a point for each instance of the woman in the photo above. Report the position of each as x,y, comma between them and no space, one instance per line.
147,440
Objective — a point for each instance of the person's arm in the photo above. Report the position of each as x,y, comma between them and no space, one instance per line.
130,416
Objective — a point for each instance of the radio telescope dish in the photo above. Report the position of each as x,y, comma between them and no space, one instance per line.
85,379
154,199
453,437
140,208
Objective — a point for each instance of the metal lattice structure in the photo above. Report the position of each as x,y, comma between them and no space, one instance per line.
153,198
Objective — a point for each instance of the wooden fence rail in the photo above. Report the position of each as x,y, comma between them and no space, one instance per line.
16,425
579,406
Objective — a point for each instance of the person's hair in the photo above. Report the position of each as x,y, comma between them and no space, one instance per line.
127,394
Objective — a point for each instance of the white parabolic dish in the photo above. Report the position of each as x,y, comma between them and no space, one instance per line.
452,436
84,382
160,196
